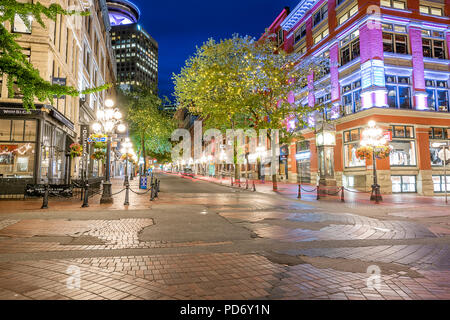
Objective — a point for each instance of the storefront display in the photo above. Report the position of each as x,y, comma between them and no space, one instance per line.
17,148
403,153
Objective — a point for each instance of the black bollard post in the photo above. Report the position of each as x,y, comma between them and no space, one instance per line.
343,194
45,199
299,191
159,185
127,194
152,192
156,189
254,186
86,196
318,192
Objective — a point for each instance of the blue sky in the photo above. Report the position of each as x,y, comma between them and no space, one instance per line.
180,26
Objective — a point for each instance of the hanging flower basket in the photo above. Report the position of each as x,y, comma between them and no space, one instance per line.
99,155
381,153
364,153
76,150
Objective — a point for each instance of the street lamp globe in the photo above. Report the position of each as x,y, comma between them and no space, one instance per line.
121,128
109,103
97,127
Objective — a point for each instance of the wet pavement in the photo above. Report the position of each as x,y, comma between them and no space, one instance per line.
204,240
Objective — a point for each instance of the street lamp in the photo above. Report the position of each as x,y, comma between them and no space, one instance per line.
372,138
108,122
128,152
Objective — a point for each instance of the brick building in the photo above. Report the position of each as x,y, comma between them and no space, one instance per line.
389,62
72,50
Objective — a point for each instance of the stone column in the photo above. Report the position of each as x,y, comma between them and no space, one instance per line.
314,163
292,163
371,47
338,159
425,185
420,95
334,79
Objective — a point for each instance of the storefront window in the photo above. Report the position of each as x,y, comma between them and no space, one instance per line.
17,160
439,184
351,161
403,154
404,184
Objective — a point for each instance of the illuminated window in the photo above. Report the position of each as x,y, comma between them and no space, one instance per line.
351,98
321,36
395,39
431,10
348,15
438,95
350,48
396,4
300,34
320,14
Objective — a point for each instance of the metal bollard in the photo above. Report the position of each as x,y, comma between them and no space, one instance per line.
152,193
159,185
246,184
299,191
86,196
343,195
254,186
156,188
127,194
318,192
45,198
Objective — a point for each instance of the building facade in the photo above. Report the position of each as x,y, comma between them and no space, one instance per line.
136,51
74,51
389,62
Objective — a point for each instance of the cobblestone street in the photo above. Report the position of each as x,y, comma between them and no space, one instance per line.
201,240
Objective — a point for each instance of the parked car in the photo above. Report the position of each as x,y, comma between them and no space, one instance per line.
188,173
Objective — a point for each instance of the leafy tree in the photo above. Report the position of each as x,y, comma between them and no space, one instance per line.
243,83
150,126
15,64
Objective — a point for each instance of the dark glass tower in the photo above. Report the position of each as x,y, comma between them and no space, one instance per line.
136,51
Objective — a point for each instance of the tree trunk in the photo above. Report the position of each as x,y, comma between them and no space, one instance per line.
144,153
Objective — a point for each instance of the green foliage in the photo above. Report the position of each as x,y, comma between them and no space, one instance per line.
241,83
151,128
15,64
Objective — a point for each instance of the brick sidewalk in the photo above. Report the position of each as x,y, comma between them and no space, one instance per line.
353,197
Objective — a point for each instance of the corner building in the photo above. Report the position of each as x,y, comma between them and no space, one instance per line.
389,62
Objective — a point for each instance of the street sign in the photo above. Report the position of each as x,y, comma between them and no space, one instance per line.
143,185
388,136
38,190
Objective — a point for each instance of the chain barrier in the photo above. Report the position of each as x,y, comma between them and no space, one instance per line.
117,193
141,193
309,191
357,192
93,193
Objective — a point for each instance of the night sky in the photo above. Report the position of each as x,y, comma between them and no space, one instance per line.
180,26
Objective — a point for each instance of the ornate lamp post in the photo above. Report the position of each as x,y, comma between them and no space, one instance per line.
108,122
373,138
128,152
